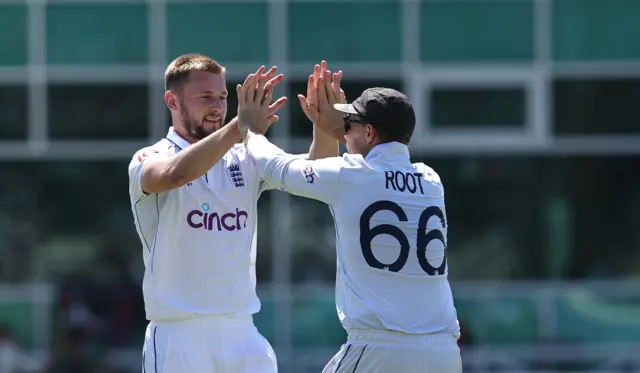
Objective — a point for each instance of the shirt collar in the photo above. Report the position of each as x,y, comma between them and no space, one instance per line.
176,139
389,151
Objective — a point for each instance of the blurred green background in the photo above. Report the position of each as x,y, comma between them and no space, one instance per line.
528,109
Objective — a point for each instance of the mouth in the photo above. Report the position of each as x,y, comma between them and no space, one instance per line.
212,120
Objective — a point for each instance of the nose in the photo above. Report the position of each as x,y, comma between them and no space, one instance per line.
217,105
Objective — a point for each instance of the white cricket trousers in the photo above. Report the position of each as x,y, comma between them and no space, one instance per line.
212,344
390,352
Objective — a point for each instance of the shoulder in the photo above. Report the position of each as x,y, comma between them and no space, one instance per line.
238,149
162,147
428,173
355,161
238,153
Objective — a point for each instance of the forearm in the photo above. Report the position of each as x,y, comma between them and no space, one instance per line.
194,161
323,145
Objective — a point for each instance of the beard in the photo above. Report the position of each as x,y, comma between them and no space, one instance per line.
196,127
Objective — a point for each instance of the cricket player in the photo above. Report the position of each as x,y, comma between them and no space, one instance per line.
194,201
392,293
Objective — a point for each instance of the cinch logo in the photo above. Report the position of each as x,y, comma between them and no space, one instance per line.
214,221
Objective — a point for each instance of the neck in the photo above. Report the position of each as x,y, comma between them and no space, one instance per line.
182,131
375,142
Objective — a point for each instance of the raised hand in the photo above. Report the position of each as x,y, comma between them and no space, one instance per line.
309,104
273,80
255,110
323,90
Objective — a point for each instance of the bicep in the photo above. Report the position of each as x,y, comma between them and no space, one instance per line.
156,176
149,174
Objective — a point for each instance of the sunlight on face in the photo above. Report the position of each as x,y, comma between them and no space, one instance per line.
203,103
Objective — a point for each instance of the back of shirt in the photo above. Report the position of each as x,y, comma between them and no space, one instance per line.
392,231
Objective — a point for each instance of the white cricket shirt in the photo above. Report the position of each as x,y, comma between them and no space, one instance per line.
199,241
391,231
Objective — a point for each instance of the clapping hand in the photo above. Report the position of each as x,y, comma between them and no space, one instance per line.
323,90
255,110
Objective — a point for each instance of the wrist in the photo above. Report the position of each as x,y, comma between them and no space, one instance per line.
242,129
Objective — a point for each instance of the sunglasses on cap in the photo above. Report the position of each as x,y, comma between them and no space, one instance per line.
351,119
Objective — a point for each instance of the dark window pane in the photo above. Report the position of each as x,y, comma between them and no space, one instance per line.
13,34
317,246
541,217
13,112
300,125
476,31
98,112
595,30
494,209
477,107
597,106
87,34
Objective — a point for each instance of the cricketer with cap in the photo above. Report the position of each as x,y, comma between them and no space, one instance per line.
392,293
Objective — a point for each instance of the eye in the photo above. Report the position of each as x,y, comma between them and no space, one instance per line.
222,98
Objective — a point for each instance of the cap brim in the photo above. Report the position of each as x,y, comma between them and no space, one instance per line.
345,108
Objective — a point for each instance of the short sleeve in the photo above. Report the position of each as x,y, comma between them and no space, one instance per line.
264,184
317,179
139,160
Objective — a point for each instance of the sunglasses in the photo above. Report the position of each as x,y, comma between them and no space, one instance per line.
351,119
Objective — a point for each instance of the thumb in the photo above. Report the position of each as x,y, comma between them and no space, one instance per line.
272,119
303,105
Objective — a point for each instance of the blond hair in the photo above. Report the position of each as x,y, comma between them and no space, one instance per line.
178,71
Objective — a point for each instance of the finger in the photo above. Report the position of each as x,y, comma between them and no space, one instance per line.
251,89
272,71
272,119
335,85
303,105
247,87
312,89
312,92
335,88
323,68
275,80
268,95
261,89
327,88
273,108
252,85
343,97
322,93
316,75
260,70
240,94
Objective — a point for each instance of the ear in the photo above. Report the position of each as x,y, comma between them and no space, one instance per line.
171,100
371,133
